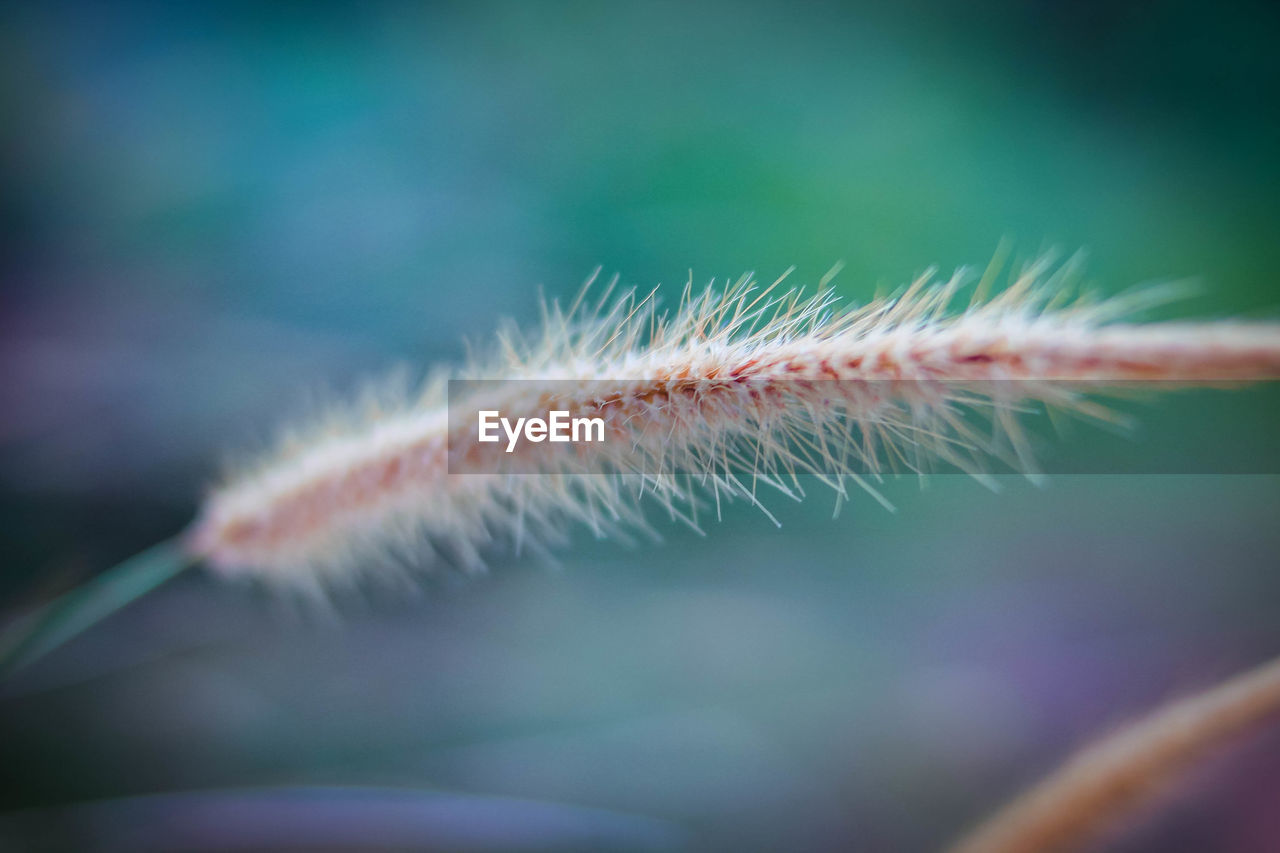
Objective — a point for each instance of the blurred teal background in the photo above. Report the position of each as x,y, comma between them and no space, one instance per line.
213,212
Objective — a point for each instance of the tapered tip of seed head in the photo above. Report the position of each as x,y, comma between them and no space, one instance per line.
215,539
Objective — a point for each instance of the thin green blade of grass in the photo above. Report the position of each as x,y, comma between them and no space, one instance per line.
73,613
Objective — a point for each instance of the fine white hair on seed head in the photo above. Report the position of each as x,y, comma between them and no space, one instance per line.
736,388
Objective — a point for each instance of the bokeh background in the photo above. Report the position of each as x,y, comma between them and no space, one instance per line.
214,212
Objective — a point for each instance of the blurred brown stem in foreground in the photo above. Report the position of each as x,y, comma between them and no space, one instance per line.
1111,779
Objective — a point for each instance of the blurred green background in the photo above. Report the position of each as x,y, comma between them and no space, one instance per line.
214,211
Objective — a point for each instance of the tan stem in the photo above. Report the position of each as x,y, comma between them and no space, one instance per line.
1111,779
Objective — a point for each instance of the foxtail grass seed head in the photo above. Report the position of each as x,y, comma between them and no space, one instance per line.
733,390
